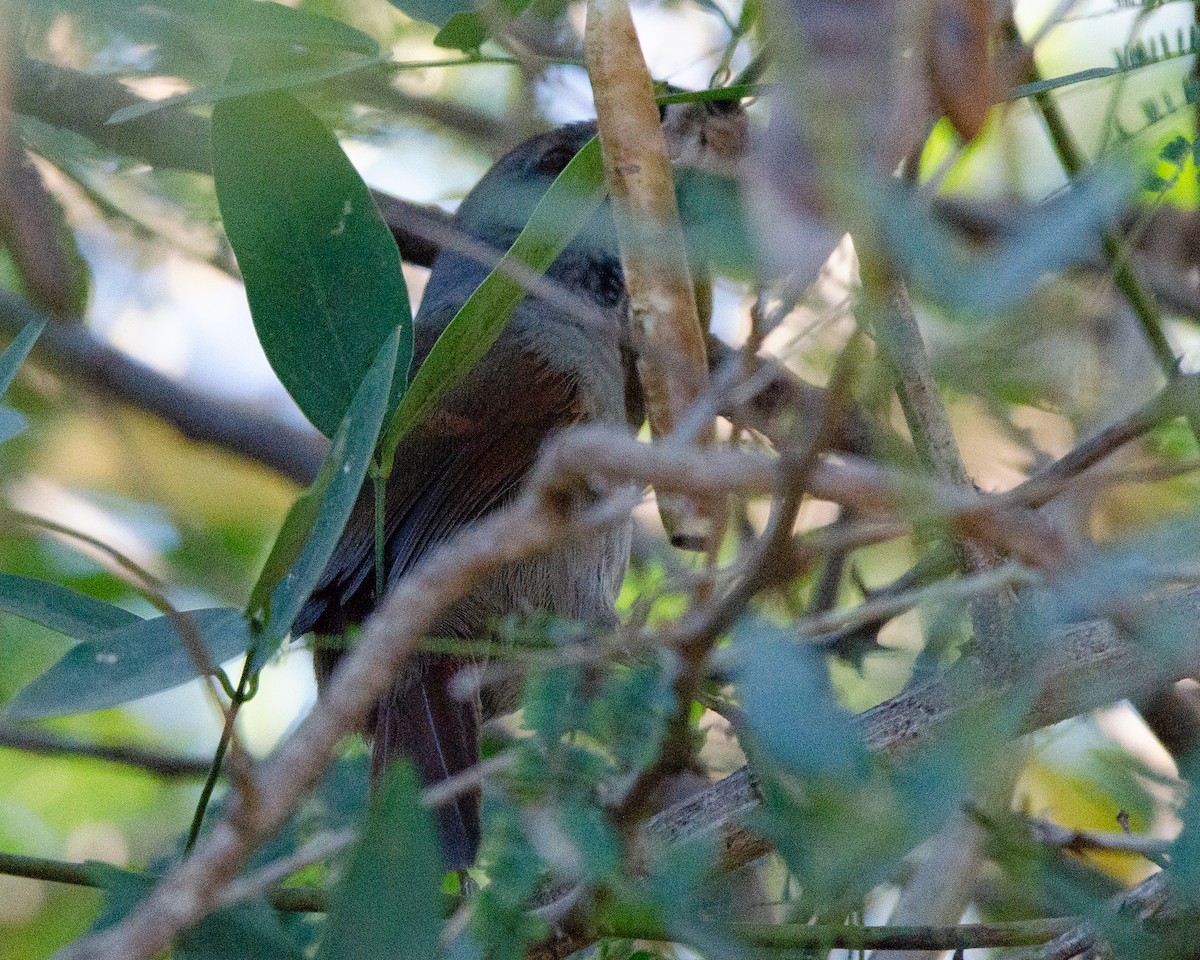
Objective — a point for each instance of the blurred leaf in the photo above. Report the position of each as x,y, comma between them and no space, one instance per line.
437,12
1108,579
276,80
254,20
62,609
592,836
679,888
12,424
464,31
18,350
246,930
465,946
129,662
502,920
313,525
630,715
790,705
389,904
552,702
559,215
322,271
1056,235
124,889
715,222
342,794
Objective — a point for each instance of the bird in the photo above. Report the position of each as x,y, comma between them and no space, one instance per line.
552,368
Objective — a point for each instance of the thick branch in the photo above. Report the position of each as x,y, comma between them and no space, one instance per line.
1092,664
172,140
293,451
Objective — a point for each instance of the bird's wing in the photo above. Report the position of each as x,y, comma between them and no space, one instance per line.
469,459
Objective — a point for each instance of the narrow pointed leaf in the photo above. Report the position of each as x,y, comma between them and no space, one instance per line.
18,350
281,80
129,662
61,608
558,217
257,21
315,523
437,12
12,424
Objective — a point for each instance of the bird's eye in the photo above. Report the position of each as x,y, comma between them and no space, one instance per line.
554,161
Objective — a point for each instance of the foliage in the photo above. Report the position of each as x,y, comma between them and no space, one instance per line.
964,616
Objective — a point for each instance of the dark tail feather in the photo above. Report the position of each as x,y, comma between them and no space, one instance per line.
441,737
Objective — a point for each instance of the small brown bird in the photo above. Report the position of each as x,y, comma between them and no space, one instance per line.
550,369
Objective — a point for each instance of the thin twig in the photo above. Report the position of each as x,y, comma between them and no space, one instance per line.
321,847
1074,164
1078,841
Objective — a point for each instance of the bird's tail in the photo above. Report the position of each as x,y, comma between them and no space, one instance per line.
440,735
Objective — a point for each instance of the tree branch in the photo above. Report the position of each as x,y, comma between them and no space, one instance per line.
532,525
1091,665
171,140
75,352
44,743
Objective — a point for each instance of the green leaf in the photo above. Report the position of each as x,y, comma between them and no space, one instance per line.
463,31
290,540
389,904
61,609
1055,236
18,350
715,222
131,661
256,21
316,520
558,217
265,83
263,20
437,12
1055,83
246,930
790,705
322,271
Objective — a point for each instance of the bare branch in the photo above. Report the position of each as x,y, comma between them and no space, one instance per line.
44,743
1077,841
77,353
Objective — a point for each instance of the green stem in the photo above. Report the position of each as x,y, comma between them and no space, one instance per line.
379,480
1075,164
632,922
635,922
289,899
239,696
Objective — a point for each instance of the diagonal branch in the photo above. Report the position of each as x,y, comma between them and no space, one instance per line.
70,348
532,525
